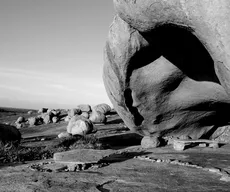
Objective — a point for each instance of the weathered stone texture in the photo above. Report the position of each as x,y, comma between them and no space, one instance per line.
167,66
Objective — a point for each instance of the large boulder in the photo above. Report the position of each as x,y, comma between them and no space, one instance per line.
9,133
167,66
79,125
103,108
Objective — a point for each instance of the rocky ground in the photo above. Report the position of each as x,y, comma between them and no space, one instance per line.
124,166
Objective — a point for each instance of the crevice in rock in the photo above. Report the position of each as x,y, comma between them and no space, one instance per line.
138,119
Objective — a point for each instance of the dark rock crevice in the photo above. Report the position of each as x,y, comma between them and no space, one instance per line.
138,119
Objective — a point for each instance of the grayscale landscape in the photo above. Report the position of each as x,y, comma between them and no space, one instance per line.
115,96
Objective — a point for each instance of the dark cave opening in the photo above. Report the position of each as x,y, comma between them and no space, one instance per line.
182,48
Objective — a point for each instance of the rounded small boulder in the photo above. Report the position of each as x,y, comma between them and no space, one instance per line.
84,107
97,117
103,108
148,142
79,125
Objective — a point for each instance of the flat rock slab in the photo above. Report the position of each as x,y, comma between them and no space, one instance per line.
81,156
180,145
128,173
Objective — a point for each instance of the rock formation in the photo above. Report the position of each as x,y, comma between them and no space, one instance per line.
167,66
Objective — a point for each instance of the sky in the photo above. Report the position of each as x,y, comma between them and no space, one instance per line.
51,52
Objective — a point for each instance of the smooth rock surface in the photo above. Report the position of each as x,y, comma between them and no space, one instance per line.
97,117
103,108
81,156
149,142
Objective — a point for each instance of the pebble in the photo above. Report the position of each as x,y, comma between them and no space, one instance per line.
214,170
202,145
225,178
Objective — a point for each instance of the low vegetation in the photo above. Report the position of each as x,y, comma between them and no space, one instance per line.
10,152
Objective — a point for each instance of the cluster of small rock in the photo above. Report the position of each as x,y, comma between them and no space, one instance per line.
40,167
45,116
71,167
95,114
225,176
82,119
82,116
